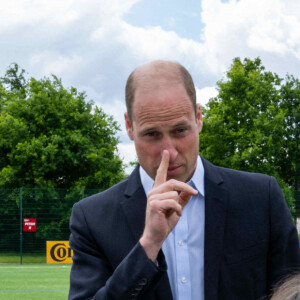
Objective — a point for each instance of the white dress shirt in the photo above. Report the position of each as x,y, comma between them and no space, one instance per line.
184,246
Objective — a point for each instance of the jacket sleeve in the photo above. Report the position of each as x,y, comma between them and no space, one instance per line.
92,276
284,252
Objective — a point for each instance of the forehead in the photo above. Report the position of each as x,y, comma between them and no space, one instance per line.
162,106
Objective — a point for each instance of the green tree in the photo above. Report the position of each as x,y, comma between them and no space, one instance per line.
245,126
14,78
52,137
289,162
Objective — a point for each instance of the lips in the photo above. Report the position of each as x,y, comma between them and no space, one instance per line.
173,170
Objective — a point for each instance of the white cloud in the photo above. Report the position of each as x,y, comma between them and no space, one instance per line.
50,62
276,31
204,94
145,44
269,28
33,12
128,154
16,12
116,108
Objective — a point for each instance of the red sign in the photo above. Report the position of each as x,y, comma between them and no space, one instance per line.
29,224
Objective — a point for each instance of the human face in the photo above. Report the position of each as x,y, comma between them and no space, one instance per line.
164,119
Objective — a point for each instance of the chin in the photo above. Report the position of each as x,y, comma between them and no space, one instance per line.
178,178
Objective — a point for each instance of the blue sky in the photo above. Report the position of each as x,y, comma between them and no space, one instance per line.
93,45
183,17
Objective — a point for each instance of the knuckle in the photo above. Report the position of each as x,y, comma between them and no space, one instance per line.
151,198
172,181
152,193
172,184
172,203
153,205
174,194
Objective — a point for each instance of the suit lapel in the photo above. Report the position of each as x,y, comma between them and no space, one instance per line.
134,207
134,204
216,198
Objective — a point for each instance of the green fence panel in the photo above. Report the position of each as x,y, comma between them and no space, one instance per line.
50,207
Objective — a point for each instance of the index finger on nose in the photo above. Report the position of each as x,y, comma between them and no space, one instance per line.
162,171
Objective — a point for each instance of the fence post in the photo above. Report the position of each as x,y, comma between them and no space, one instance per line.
21,223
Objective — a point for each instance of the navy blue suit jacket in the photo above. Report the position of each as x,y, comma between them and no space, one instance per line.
250,240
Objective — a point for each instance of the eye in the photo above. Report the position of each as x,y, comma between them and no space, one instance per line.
181,130
151,133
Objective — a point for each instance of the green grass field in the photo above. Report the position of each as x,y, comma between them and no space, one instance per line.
34,282
27,258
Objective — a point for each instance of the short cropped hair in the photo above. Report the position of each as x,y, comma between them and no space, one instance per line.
184,76
289,289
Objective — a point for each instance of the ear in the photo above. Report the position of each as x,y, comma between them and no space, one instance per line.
128,125
199,118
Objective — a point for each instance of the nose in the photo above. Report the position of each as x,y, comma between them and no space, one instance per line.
170,145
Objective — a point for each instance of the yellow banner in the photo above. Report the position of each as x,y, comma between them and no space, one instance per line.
59,252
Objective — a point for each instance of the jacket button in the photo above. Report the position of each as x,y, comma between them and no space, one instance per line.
138,288
143,281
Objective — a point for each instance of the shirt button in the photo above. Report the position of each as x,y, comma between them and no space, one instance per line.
183,280
180,243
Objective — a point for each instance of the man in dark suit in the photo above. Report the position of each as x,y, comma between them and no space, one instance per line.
179,227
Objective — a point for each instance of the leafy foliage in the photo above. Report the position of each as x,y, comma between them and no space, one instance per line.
53,143
52,137
253,124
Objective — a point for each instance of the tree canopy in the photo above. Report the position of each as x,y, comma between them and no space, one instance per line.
253,123
51,136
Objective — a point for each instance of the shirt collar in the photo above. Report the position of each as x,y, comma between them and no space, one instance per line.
197,178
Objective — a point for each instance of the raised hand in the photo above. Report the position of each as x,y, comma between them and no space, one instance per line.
164,207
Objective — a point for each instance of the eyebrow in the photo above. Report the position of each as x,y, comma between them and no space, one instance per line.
155,128
181,123
149,129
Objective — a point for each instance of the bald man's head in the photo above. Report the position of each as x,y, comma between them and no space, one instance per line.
156,75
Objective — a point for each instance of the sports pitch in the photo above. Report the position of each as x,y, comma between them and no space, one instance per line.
34,282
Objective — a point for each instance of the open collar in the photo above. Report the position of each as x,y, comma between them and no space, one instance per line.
197,178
